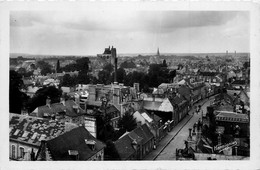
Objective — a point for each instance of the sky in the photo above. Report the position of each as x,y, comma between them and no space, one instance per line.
89,32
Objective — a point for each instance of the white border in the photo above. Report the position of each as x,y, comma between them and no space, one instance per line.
253,7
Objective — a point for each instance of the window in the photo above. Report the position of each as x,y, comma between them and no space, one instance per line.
21,152
13,151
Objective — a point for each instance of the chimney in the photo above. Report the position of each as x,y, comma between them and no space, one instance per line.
92,93
48,102
62,101
152,115
186,144
136,86
116,96
190,137
219,139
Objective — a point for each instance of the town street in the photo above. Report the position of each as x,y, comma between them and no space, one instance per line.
168,152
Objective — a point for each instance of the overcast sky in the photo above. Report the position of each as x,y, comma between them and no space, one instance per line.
88,33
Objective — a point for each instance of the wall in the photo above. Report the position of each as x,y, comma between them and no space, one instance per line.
27,150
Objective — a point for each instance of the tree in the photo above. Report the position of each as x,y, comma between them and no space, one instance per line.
39,99
69,81
45,67
121,75
158,74
16,97
246,65
164,63
105,131
172,74
109,67
127,64
105,76
127,122
58,69
22,71
70,67
83,64
83,78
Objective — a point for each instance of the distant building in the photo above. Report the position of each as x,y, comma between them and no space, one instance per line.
108,56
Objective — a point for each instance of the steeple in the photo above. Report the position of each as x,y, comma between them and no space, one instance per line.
158,52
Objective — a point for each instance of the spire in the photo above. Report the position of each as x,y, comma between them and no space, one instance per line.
158,52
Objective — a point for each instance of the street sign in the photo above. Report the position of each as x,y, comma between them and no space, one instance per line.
223,147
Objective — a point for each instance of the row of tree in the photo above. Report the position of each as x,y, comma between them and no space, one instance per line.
157,74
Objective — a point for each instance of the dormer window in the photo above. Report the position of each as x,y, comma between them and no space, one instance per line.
74,154
75,106
91,144
45,115
134,144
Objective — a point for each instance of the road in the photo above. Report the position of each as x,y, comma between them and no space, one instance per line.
168,152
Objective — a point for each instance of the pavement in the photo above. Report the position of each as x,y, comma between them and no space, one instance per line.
166,152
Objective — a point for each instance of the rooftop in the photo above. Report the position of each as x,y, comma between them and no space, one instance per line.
32,130
124,147
74,140
59,107
232,117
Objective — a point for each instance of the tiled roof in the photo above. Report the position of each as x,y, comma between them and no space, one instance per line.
185,91
124,147
147,131
232,92
156,118
178,100
73,140
59,107
232,117
135,137
143,134
32,130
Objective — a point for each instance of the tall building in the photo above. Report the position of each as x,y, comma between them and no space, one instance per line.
109,56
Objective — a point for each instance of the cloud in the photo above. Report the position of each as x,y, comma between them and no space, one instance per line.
82,32
145,21
168,21
24,18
